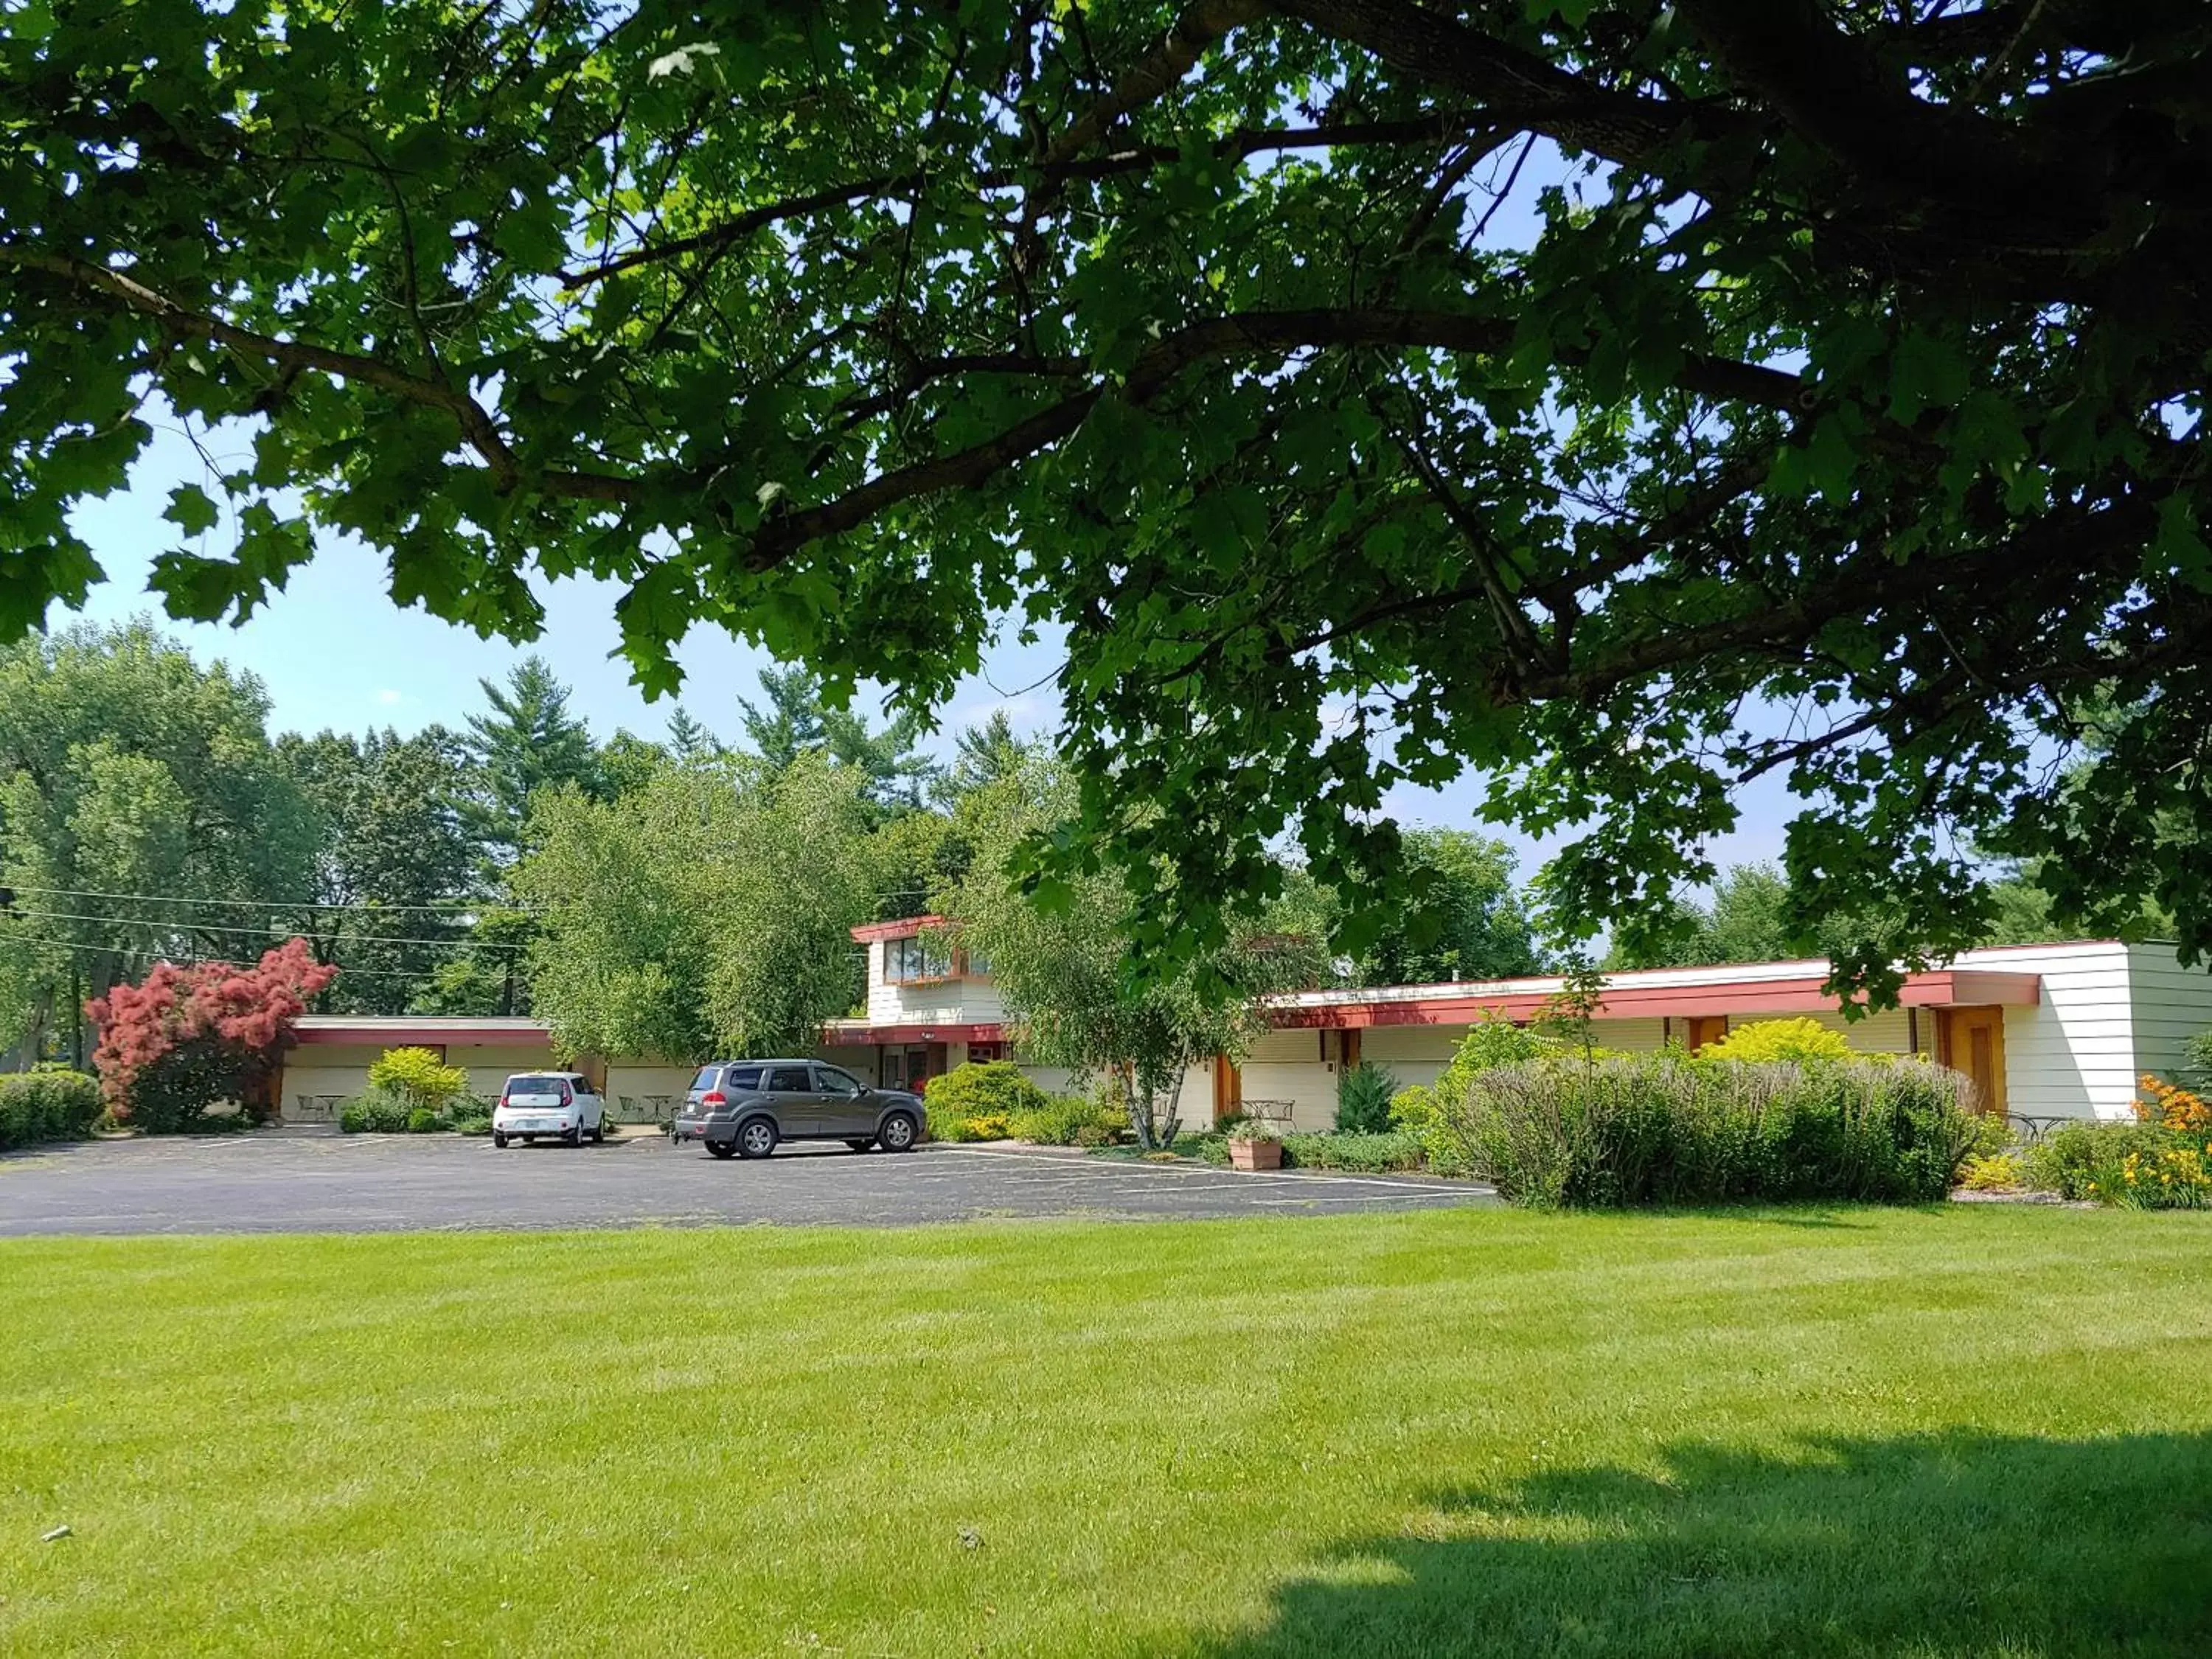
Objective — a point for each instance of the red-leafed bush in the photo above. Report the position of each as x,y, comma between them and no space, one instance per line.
186,1038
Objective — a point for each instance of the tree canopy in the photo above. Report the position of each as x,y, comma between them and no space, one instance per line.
1846,359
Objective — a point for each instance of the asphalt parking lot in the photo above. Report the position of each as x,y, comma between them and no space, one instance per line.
375,1183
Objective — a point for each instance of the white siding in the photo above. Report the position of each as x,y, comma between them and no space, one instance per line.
1412,1054
2072,1054
1288,1065
2167,1005
1632,1036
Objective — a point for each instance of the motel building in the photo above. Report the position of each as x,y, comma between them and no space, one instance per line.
2045,1031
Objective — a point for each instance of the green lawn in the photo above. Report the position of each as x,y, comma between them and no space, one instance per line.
1977,1430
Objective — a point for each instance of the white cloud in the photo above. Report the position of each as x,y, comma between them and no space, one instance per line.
391,699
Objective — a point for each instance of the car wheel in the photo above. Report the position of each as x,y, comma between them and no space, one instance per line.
530,1141
573,1137
756,1138
722,1148
599,1132
497,1139
860,1144
897,1133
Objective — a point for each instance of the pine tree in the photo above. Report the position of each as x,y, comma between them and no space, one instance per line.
528,741
688,740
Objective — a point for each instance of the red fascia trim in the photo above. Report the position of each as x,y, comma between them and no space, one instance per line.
869,932
877,1036
1949,989
389,1036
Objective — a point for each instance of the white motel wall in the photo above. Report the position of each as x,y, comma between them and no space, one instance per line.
2065,1031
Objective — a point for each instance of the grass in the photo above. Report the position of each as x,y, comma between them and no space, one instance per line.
1975,1431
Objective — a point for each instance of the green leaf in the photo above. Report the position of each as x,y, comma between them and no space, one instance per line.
191,510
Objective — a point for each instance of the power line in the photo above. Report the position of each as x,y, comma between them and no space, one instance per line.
186,925
35,939
442,905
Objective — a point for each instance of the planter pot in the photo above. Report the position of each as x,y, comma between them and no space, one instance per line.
1255,1154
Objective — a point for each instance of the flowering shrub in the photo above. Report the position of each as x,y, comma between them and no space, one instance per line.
2162,1160
187,1037
418,1076
1763,1040
1998,1172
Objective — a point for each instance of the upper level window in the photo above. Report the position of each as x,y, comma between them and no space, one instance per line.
920,957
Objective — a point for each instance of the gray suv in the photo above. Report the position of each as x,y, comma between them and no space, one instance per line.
745,1107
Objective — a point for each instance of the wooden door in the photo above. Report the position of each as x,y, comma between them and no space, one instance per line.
1701,1028
1971,1040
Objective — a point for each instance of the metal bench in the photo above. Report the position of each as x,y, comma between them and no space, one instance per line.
1277,1112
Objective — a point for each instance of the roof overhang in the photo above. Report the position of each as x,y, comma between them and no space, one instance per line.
905,927
859,1033
1795,994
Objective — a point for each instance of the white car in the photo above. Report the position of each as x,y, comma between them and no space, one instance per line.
561,1105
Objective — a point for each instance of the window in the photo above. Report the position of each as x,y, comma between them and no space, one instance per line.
584,1085
922,957
742,1078
979,962
789,1080
982,1053
705,1080
836,1082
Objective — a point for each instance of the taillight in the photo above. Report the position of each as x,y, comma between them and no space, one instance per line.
713,1097
502,1102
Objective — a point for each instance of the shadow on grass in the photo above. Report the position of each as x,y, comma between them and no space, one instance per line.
1953,1546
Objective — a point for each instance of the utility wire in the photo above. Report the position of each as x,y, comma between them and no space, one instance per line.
272,904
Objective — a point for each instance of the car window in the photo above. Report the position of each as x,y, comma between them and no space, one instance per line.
583,1086
705,1080
836,1082
535,1085
789,1080
741,1078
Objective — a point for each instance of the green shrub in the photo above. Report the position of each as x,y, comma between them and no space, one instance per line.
471,1115
376,1111
1662,1129
1763,1040
1069,1121
419,1076
46,1105
996,1088
2111,1163
421,1121
1371,1154
1418,1110
1363,1100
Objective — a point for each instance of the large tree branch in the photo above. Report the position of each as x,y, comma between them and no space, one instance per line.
1838,90
1199,27
478,430
1139,158
1437,48
1251,334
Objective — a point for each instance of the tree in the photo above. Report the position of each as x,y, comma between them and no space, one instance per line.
797,721
983,755
1842,359
1460,917
1747,921
529,741
626,761
189,1037
393,866
488,975
709,912
143,814
688,740
1064,970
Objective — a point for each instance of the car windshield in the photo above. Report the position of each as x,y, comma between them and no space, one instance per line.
536,1086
